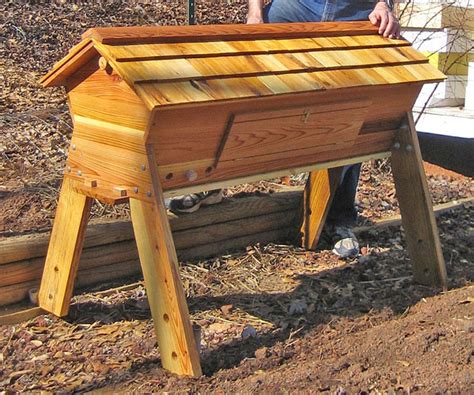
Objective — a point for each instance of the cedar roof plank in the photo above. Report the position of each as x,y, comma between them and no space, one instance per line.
77,56
149,34
139,52
168,93
254,65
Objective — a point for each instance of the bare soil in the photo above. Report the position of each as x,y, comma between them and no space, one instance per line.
275,318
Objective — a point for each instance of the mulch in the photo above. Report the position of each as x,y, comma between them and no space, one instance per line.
274,318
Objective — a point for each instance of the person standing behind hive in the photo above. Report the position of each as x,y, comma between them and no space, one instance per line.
342,214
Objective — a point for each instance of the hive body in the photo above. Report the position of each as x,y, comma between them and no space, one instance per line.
230,102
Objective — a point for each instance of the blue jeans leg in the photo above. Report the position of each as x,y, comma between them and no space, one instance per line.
343,210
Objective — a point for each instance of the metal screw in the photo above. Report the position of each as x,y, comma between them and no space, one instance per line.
409,148
143,167
148,194
68,169
73,147
396,146
79,173
135,189
404,128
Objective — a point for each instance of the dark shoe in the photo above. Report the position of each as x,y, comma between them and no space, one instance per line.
191,203
344,241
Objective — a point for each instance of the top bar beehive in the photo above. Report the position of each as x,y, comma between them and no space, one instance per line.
219,103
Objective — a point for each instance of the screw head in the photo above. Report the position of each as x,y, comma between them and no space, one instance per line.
135,189
73,147
148,194
409,148
79,173
396,146
143,167
68,169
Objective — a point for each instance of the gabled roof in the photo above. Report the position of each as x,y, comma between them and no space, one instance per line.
179,65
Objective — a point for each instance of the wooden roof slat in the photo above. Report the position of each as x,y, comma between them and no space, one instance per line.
228,48
154,34
254,65
233,88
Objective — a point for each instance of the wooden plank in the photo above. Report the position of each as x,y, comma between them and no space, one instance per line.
173,93
183,69
184,140
125,251
318,195
141,52
150,34
112,166
178,350
23,248
78,57
414,198
233,177
294,130
94,94
279,164
21,316
110,254
64,250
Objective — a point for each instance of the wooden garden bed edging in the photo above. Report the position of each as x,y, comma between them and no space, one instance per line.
110,250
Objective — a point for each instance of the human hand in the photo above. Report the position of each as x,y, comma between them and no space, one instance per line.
384,18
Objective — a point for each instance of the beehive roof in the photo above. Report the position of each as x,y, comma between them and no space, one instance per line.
189,64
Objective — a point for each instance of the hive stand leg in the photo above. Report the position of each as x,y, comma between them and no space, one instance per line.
64,251
416,208
318,195
178,349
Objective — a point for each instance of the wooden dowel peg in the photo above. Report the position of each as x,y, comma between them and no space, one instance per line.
91,183
105,66
120,191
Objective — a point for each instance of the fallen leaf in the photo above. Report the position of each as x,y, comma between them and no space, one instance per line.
227,309
261,353
404,363
37,343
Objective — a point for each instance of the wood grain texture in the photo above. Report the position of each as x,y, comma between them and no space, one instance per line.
94,94
141,52
294,130
159,262
78,57
318,195
182,69
153,34
175,135
164,94
64,250
416,207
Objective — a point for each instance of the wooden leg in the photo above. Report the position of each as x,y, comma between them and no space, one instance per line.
416,208
318,196
178,349
64,251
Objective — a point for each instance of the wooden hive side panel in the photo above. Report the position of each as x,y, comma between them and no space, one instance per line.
107,158
189,139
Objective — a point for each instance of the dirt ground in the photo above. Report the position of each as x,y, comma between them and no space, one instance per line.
275,318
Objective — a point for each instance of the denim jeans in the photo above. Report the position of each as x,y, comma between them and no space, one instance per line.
342,211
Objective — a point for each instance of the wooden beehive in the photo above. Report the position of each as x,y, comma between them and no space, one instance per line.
227,102
177,109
